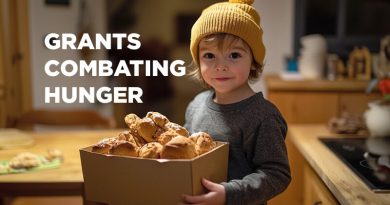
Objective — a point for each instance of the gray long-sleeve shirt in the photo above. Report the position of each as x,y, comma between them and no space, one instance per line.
258,166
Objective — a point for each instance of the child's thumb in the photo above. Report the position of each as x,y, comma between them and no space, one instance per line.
211,186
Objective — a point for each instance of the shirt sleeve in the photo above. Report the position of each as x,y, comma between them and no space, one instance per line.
271,173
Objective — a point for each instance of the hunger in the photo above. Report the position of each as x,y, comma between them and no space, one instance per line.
102,95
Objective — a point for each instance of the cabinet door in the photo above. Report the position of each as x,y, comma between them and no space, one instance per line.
301,107
356,102
315,191
293,195
306,107
15,73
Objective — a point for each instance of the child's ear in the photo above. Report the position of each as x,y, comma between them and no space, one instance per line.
253,67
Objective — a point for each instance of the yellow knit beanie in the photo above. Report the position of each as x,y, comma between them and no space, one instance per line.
236,17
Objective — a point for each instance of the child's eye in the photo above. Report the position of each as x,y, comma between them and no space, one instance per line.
235,55
208,55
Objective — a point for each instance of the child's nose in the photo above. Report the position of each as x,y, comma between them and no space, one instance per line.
221,66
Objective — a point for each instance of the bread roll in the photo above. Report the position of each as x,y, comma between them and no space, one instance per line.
167,136
203,142
104,145
179,147
53,153
147,128
24,160
124,148
158,118
177,128
158,133
150,150
132,137
132,121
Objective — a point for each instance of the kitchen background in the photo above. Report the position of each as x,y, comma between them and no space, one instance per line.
164,27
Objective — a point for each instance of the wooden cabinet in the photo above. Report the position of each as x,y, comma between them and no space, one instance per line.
317,101
306,107
315,191
15,69
310,101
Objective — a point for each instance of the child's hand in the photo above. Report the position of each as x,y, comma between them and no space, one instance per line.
215,196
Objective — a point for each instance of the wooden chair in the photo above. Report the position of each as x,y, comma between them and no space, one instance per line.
62,118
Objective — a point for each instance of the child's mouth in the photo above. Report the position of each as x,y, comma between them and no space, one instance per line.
222,79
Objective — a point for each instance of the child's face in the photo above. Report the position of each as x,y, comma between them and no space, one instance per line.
226,69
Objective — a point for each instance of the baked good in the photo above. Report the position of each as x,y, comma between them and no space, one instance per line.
167,136
158,133
154,136
203,142
179,147
177,128
101,148
104,145
132,137
158,118
150,150
24,160
132,120
124,148
54,154
146,129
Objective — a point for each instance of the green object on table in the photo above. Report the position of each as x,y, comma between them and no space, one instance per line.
43,164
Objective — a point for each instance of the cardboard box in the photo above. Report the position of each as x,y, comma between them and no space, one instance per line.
120,180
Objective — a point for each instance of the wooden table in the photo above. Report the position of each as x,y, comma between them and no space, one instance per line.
344,184
67,180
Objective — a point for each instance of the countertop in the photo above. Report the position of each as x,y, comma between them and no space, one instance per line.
276,83
347,187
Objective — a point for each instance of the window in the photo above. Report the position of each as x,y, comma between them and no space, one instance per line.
344,23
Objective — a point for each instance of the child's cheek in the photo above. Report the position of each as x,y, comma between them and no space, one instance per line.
205,74
204,69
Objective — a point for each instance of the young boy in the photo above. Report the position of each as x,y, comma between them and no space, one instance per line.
227,47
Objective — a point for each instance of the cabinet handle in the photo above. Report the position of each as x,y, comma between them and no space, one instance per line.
317,203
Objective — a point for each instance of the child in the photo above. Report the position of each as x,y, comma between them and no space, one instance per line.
227,47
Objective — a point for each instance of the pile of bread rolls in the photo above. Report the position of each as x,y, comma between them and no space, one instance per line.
155,137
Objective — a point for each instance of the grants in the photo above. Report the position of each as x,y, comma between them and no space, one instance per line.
54,41
92,95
